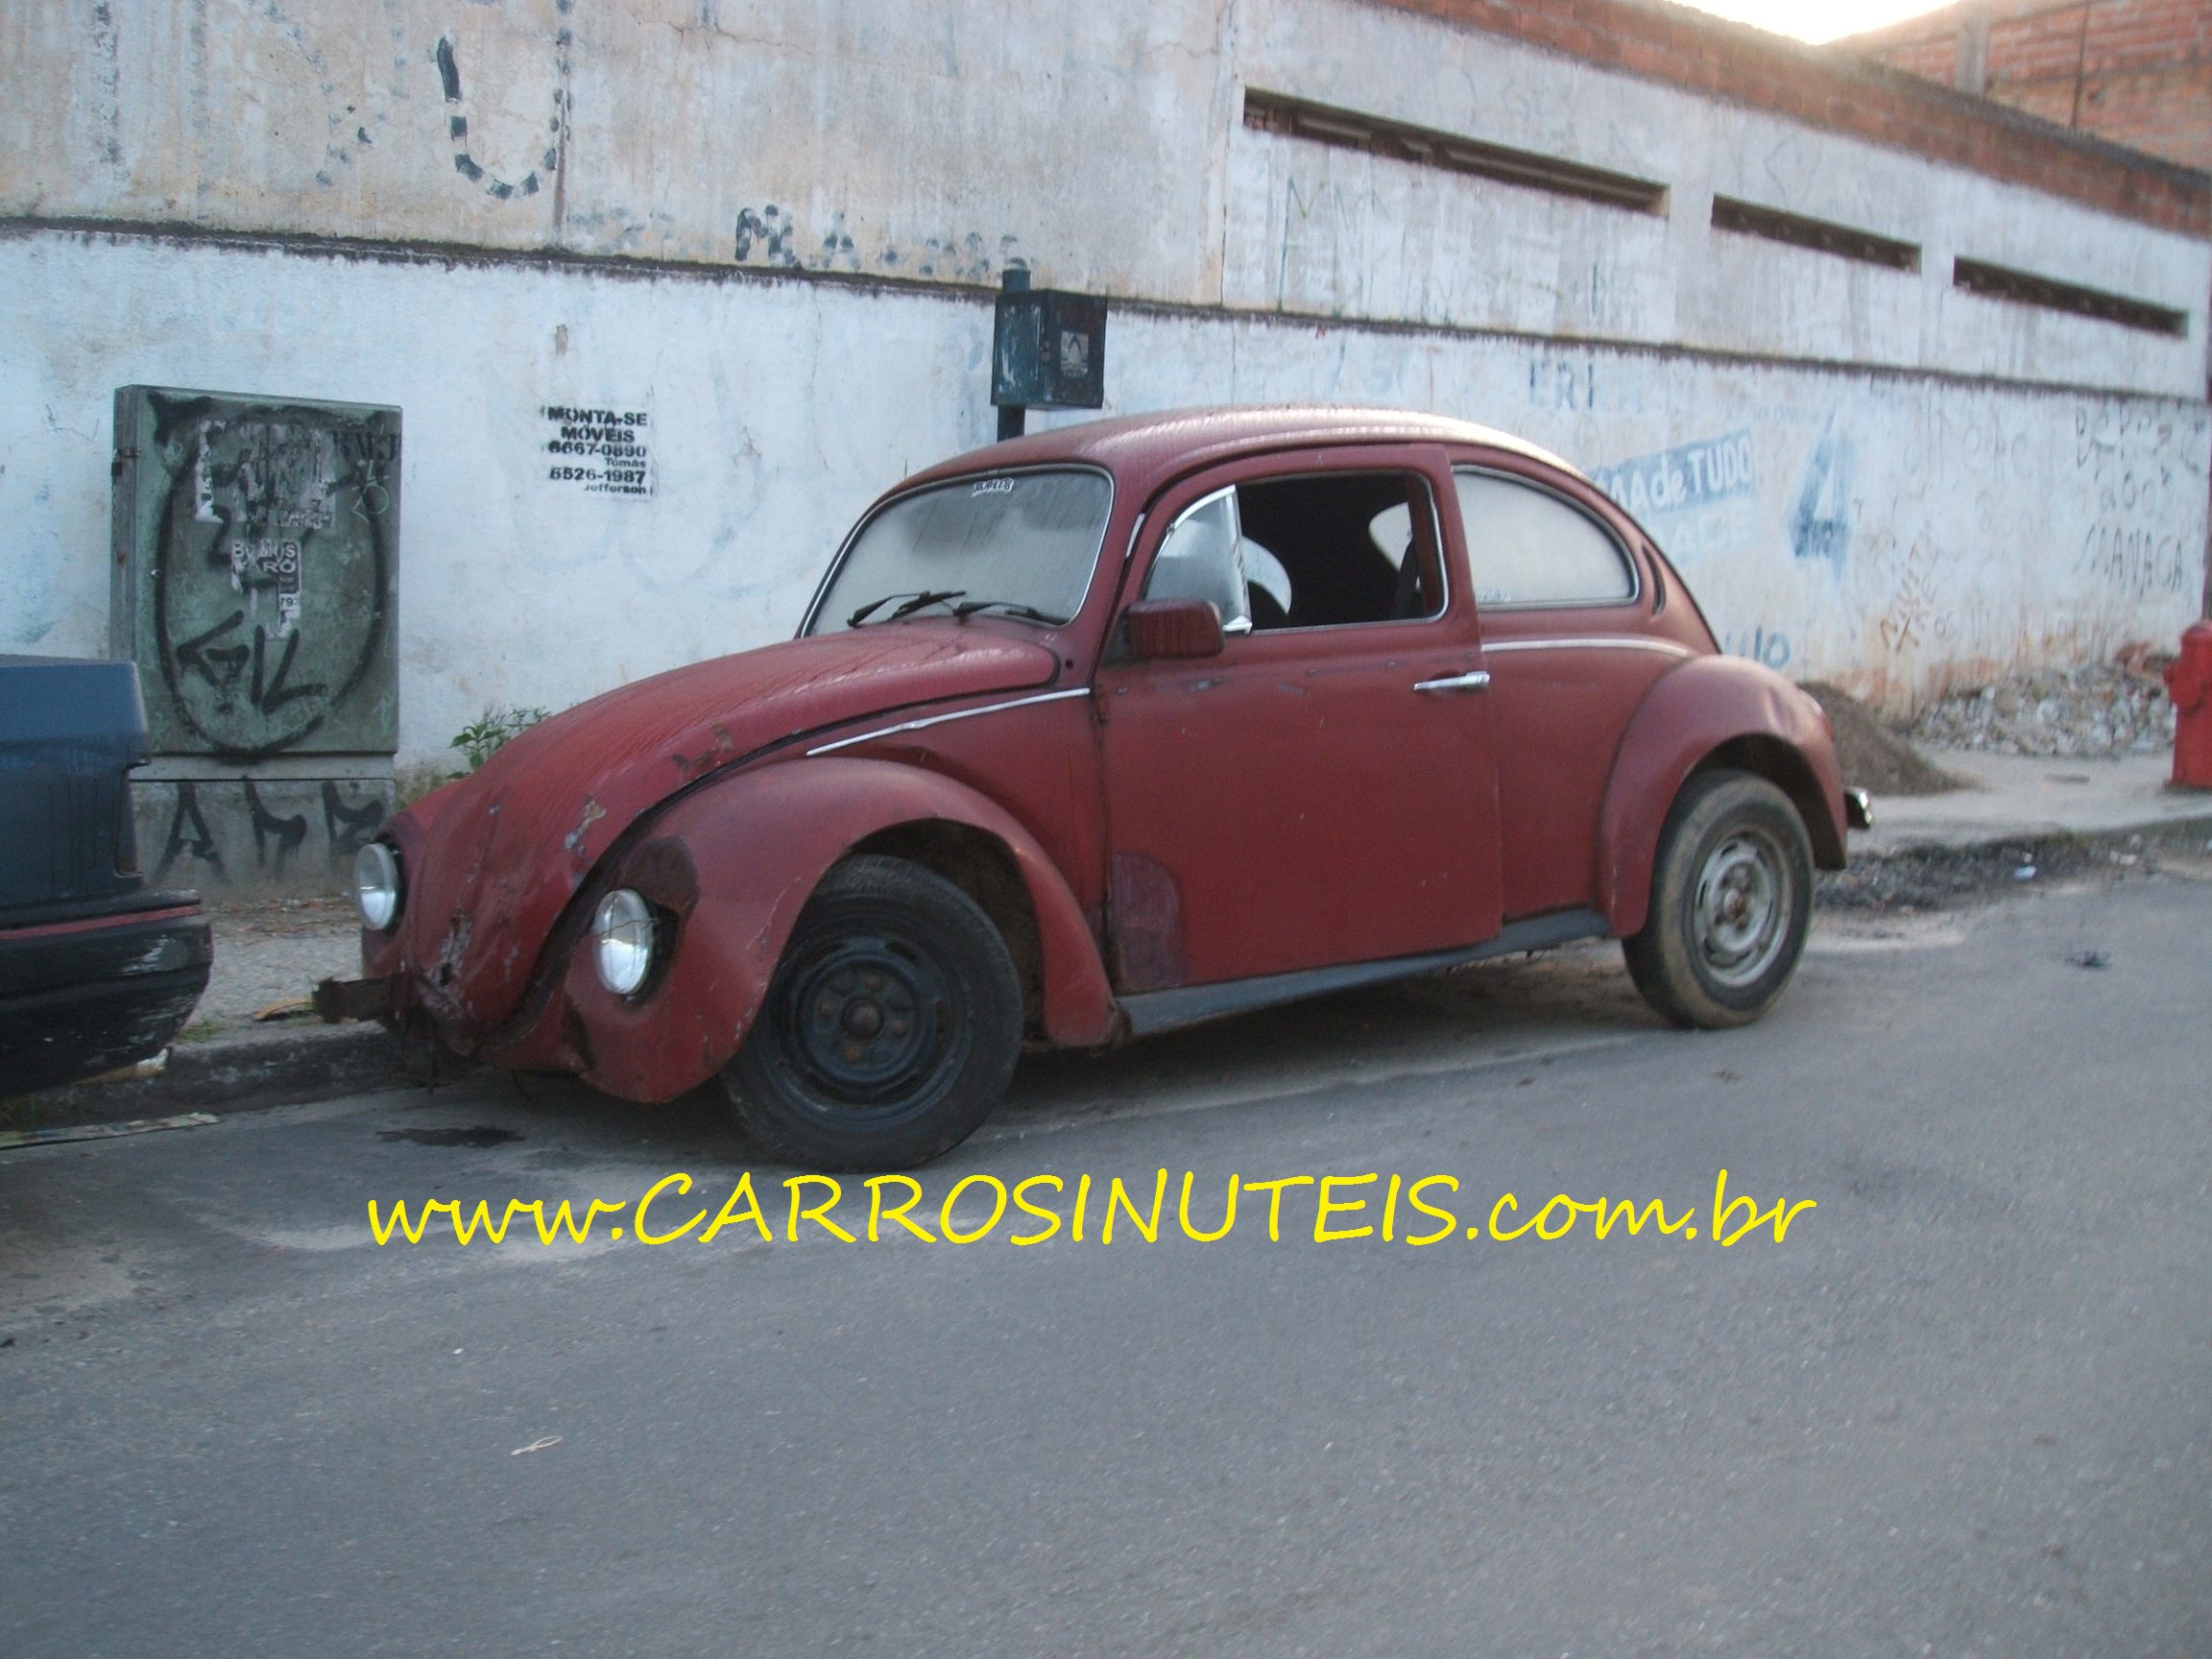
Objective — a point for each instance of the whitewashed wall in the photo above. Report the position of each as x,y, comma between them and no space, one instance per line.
1895,531
1311,229
941,140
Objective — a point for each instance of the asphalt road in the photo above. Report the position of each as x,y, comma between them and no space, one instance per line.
1964,1408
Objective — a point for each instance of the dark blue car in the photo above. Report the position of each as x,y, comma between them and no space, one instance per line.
96,970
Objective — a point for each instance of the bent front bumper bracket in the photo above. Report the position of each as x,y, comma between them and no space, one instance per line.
340,1000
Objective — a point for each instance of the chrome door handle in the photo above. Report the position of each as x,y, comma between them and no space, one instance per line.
1477,681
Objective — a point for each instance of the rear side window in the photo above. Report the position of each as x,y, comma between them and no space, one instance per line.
1530,547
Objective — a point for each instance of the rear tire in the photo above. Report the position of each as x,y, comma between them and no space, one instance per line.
890,1029
1731,902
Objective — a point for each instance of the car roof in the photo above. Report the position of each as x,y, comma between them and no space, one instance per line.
1144,452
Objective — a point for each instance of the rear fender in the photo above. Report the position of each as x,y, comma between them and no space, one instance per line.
732,866
1711,710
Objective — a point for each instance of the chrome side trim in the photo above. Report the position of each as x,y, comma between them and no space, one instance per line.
1151,1011
1664,647
941,719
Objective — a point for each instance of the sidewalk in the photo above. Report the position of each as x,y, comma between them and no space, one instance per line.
272,952
2019,796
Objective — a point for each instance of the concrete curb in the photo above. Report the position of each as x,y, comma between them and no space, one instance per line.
241,1074
290,1068
2186,826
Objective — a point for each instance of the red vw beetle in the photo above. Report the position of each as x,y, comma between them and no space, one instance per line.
1104,731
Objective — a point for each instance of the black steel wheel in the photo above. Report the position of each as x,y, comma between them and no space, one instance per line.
1731,902
891,1027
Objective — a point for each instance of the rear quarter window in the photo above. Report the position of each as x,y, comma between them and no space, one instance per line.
1527,546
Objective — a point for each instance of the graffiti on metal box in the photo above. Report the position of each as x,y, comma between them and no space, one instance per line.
262,591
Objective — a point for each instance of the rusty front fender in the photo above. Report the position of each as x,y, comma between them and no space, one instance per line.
735,864
1712,711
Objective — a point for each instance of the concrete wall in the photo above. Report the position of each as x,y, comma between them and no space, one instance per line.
935,139
478,214
941,141
1329,230
1875,526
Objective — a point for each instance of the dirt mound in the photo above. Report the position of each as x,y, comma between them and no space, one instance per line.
1875,757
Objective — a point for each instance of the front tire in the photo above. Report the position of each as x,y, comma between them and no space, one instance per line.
890,1029
1731,903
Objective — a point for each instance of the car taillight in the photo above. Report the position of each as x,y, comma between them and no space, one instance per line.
126,830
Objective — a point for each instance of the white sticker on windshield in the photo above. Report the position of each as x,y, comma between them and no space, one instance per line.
994,487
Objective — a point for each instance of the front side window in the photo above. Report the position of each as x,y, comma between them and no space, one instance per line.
1527,546
1017,543
1322,551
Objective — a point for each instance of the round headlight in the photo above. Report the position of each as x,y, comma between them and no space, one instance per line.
376,884
622,941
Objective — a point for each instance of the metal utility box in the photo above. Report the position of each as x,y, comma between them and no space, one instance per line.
255,576
1049,349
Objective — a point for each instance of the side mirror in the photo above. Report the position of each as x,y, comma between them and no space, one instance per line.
1173,627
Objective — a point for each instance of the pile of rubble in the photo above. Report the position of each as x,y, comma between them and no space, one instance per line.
2097,709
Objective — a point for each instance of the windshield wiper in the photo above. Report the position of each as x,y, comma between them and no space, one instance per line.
913,602
1011,607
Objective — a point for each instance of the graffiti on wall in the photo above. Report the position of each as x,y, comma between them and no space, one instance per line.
1914,617
770,235
2133,548
256,832
1697,498
1762,644
446,55
1820,509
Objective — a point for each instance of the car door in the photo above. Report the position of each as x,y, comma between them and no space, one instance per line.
1323,791
1569,642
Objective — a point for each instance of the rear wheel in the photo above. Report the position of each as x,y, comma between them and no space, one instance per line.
1731,902
891,1027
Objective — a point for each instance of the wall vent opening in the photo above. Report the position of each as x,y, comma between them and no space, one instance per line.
2024,288
1346,130
1750,219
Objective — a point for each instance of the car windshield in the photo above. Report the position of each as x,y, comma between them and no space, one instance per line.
1016,544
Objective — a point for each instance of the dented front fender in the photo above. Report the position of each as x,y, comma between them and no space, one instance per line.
731,867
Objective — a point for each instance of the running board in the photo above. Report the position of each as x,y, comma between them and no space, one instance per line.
1151,1011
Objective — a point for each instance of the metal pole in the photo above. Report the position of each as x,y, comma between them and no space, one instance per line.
1013,417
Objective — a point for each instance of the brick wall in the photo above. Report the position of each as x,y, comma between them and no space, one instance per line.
2135,72
1849,94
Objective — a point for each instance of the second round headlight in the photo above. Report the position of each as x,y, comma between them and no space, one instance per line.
622,941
